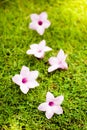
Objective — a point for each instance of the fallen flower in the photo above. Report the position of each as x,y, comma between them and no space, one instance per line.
58,62
39,22
52,105
26,79
38,50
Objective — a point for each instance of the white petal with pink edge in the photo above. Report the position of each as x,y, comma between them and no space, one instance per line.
34,17
52,68
58,110
53,60
34,46
58,100
34,75
49,113
17,79
33,84
49,97
43,106
43,16
40,30
30,52
24,89
24,71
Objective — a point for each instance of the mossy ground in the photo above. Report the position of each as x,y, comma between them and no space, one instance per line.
68,31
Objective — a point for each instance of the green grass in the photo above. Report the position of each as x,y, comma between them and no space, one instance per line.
68,31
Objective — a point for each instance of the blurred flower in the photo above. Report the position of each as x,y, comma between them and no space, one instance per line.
38,50
58,62
52,105
26,79
39,22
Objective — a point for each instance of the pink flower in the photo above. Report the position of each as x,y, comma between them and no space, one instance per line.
39,22
58,62
26,79
38,50
52,105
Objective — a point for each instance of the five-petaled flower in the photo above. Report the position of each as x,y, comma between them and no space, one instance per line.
58,62
26,79
52,105
38,50
39,22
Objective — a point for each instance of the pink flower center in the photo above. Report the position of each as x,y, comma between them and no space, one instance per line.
51,103
60,62
39,51
24,80
40,22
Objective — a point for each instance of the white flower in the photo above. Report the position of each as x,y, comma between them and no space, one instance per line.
38,50
39,22
52,105
26,79
58,62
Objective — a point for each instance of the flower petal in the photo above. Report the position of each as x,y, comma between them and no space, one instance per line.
53,60
33,26
47,48
34,46
34,17
17,79
49,113
43,16
63,65
29,52
49,97
61,53
58,100
58,109
40,30
61,56
43,106
39,54
33,84
46,24
24,89
52,68
33,75
42,44
24,71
